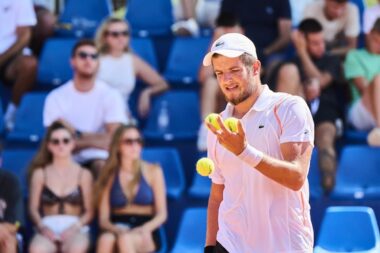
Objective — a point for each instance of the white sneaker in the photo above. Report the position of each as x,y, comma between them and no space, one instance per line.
186,27
202,138
373,137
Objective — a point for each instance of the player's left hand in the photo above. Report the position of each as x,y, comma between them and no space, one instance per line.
234,142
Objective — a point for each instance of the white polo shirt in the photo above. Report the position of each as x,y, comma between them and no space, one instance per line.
257,214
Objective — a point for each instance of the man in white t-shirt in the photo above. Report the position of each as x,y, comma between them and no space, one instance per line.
371,14
340,22
92,108
17,69
259,195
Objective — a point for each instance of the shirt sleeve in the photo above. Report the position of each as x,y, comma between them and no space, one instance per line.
25,13
216,176
51,111
284,9
352,66
296,121
115,109
352,28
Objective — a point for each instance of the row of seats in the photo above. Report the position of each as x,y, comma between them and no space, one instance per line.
344,229
184,60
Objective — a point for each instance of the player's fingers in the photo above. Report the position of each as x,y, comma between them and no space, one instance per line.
240,128
221,124
211,128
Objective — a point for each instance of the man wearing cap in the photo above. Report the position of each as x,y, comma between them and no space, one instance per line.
259,195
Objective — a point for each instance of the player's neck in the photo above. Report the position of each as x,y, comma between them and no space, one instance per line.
242,108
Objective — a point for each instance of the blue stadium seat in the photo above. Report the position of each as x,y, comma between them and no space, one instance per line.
314,177
82,18
358,173
54,65
28,124
2,118
144,48
192,231
17,161
164,243
352,136
150,17
171,164
184,117
348,229
200,187
185,59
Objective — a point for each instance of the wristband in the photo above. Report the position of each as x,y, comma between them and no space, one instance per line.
78,134
251,156
209,249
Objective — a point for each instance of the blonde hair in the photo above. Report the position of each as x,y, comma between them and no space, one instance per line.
113,163
44,157
100,36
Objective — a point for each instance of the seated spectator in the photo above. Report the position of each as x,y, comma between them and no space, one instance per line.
212,99
268,24
369,17
11,211
297,8
340,22
119,67
89,106
362,69
60,204
17,67
132,197
190,15
314,74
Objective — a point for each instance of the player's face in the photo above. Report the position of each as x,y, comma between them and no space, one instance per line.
234,78
85,61
334,9
316,44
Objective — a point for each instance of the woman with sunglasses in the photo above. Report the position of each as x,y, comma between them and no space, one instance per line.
60,203
119,66
131,197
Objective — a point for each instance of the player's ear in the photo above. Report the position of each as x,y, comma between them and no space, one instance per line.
256,67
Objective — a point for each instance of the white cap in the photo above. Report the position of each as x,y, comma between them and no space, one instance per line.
230,45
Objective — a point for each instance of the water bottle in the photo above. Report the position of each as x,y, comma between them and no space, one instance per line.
163,117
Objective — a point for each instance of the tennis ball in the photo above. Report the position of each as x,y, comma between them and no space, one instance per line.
232,124
205,166
212,119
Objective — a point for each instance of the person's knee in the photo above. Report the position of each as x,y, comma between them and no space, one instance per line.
106,239
325,134
10,245
376,80
28,63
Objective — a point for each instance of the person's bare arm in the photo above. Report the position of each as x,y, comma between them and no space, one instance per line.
290,172
216,197
283,39
352,43
97,140
87,187
310,69
361,83
24,34
160,205
156,82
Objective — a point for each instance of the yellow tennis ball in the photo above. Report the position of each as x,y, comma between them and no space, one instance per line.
232,124
205,166
212,119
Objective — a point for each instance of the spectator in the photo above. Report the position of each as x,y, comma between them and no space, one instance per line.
267,23
297,8
60,195
362,69
340,22
17,67
315,75
370,16
119,67
89,106
191,14
11,211
212,99
132,197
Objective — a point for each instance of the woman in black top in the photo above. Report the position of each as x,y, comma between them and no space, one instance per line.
60,195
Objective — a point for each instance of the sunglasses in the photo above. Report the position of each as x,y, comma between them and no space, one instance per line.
84,55
117,34
56,142
130,141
